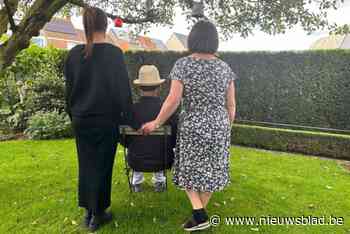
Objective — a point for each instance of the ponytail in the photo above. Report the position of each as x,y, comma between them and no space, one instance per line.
94,20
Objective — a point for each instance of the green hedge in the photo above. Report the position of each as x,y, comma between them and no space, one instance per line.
302,88
311,143
293,127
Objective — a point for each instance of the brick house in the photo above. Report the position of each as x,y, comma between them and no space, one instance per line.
60,33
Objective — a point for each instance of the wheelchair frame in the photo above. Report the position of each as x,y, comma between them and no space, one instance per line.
128,131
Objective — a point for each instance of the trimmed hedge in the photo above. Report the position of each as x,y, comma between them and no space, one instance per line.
308,88
310,143
293,127
302,88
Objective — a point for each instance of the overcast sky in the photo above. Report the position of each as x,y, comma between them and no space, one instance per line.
295,39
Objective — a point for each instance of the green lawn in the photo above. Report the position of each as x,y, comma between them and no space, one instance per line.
38,182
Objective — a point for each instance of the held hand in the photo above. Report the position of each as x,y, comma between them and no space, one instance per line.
149,127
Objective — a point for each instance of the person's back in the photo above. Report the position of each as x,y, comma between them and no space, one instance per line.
92,82
97,94
205,85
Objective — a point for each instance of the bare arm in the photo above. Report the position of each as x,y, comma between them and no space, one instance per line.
231,101
169,107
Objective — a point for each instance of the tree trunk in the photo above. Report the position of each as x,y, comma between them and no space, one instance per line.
35,19
4,19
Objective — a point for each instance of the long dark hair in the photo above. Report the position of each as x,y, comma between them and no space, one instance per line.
94,20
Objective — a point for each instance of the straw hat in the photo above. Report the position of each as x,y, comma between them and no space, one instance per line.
148,76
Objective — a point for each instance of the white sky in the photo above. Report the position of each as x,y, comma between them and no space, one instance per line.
295,39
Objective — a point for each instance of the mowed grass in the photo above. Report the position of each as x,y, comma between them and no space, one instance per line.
38,182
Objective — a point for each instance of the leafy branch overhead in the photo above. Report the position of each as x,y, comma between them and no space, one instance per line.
231,16
25,18
134,12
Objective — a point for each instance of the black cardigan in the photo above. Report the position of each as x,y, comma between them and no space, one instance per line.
99,85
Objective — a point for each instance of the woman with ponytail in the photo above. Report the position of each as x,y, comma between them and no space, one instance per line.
98,95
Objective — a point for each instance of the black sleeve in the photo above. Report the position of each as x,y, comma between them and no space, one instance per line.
68,81
124,97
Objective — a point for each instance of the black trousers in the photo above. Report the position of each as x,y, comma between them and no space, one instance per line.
96,142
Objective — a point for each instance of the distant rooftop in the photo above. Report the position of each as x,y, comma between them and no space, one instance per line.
182,38
159,43
332,42
120,33
61,26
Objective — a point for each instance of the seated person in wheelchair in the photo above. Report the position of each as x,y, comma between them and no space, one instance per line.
149,153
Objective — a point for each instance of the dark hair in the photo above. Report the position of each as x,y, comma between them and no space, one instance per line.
203,38
149,88
94,20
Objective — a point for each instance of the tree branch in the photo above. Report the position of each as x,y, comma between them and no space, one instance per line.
149,18
10,16
36,17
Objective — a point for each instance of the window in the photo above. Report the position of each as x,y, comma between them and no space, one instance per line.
39,41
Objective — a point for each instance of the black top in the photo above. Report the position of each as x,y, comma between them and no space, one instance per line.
97,86
147,153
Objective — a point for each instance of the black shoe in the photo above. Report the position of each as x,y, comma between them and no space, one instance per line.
98,220
191,225
159,187
186,221
136,188
87,218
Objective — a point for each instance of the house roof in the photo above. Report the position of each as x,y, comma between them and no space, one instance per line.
146,43
109,36
59,25
128,42
112,38
182,38
332,42
120,33
159,43
134,44
59,36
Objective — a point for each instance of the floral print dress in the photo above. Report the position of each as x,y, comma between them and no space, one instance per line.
202,150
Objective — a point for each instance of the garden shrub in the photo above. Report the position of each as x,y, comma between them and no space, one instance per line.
33,83
46,91
4,114
28,61
17,121
49,125
306,142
